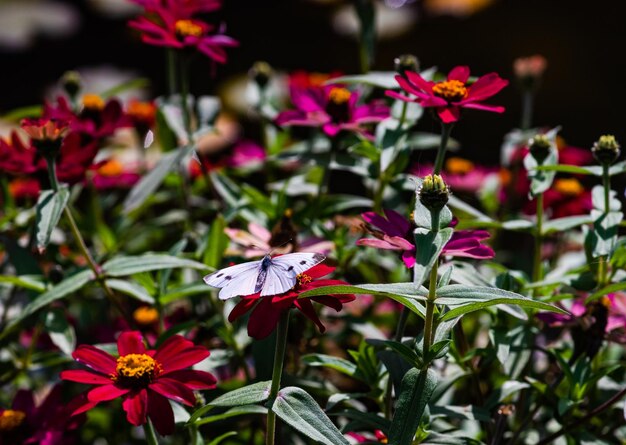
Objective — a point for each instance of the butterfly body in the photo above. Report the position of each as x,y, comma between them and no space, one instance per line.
268,276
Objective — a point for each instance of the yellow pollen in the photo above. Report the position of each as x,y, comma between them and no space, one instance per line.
93,102
11,419
188,28
339,96
111,168
569,187
146,315
459,166
605,301
451,90
143,111
304,279
137,366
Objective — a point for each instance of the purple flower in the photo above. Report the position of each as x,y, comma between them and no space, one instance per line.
394,232
333,108
616,317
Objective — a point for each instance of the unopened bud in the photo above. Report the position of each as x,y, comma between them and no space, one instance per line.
71,82
539,147
529,70
261,73
406,62
606,149
434,192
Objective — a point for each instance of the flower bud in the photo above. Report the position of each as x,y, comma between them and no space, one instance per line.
406,62
71,82
46,135
434,192
529,70
261,73
539,147
606,150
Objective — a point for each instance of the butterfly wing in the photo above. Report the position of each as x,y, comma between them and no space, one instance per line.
240,279
282,271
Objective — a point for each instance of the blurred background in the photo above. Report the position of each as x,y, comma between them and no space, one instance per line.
583,88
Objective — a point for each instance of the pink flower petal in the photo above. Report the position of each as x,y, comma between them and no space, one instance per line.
161,414
136,406
80,376
130,342
95,358
460,73
174,390
178,353
194,379
106,392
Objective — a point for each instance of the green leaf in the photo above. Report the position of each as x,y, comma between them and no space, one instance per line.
597,199
217,243
417,388
233,412
338,364
611,288
151,182
403,350
370,419
18,114
133,84
60,331
566,223
30,282
131,289
186,290
298,409
64,288
573,169
541,180
220,439
603,237
380,79
50,206
128,265
428,247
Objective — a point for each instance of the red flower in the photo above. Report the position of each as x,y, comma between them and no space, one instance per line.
266,311
181,8
45,130
452,94
143,378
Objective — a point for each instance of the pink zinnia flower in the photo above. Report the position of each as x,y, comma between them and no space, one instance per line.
460,174
164,27
180,8
333,108
394,232
143,378
452,94
266,311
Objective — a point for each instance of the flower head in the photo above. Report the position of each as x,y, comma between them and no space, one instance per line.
266,311
143,378
449,96
46,134
606,150
333,108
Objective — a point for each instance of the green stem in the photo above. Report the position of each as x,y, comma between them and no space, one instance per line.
277,372
446,129
171,63
151,437
51,164
184,95
537,270
380,193
606,182
432,291
404,317
527,109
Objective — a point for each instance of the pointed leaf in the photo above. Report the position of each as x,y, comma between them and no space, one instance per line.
50,206
128,265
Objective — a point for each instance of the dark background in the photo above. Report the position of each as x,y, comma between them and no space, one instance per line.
583,89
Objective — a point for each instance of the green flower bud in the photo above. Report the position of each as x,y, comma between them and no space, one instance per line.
434,192
539,147
261,73
406,62
606,150
71,82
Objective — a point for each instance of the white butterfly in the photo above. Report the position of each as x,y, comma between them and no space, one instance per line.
270,276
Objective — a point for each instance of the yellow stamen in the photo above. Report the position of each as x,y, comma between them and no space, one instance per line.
303,279
11,419
339,96
93,102
459,166
451,90
186,28
112,167
146,315
137,367
569,187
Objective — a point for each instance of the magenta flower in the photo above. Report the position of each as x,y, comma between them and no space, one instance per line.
333,108
394,232
164,28
180,8
615,303
460,174
452,94
143,378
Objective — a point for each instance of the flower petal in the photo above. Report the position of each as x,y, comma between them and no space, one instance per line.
483,107
306,307
81,376
95,358
460,73
448,114
485,87
265,316
194,379
244,305
173,389
130,342
178,353
161,414
106,392
136,406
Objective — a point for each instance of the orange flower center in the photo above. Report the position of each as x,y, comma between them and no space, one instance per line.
146,315
303,279
112,167
186,28
136,370
451,90
93,102
141,111
11,419
339,96
459,166
569,187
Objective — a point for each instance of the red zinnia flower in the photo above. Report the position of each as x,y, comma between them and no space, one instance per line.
43,130
144,378
266,311
452,94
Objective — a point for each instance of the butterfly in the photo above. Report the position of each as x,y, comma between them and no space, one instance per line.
269,276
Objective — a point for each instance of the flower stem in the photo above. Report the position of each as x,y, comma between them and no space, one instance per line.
527,109
446,129
52,175
151,437
171,71
277,372
432,291
606,182
537,272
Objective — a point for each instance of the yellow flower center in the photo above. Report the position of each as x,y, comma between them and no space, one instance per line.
136,370
459,166
303,279
93,102
11,419
142,111
146,315
569,187
339,96
111,168
186,28
451,90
